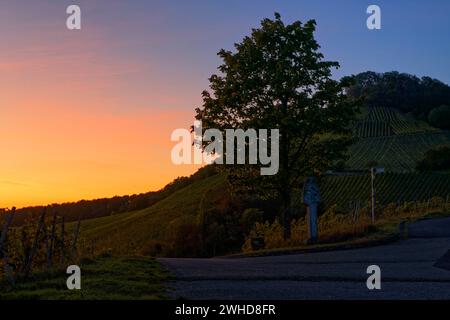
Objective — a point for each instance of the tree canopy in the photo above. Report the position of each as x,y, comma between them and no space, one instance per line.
276,78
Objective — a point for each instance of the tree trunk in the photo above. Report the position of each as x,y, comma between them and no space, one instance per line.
284,172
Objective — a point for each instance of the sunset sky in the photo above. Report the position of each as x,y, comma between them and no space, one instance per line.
88,114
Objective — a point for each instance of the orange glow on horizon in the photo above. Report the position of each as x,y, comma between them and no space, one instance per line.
80,121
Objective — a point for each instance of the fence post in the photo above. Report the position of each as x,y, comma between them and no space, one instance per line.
75,238
29,263
7,268
61,258
52,240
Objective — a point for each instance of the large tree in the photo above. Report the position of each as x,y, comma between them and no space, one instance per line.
276,78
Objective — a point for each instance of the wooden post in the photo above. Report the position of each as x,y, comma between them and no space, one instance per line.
7,268
93,247
61,258
76,231
358,207
52,240
35,243
47,246
6,224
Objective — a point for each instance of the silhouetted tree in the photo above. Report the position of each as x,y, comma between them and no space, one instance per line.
277,79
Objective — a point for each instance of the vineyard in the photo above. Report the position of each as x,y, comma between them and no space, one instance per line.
397,153
390,188
385,122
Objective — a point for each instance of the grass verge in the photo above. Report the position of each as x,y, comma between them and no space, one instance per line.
102,278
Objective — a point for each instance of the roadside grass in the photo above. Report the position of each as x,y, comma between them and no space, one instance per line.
102,278
377,238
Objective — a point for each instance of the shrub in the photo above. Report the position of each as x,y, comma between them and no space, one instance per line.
435,159
184,241
250,217
440,117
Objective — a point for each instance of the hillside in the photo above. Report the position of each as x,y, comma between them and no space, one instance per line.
132,232
89,209
392,139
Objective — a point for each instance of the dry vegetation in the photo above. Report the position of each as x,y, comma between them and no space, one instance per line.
338,227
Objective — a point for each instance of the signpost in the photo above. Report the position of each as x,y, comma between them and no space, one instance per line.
311,197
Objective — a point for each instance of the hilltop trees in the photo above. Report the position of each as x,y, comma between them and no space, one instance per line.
401,91
277,79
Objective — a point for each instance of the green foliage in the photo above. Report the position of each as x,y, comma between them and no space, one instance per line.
435,160
440,117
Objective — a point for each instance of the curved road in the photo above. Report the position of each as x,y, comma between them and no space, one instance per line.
416,268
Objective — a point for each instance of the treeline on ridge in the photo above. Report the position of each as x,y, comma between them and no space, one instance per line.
88,209
402,91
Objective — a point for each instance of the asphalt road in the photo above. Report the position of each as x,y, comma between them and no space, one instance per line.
416,268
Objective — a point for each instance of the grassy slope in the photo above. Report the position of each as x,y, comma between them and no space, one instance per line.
106,278
129,233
